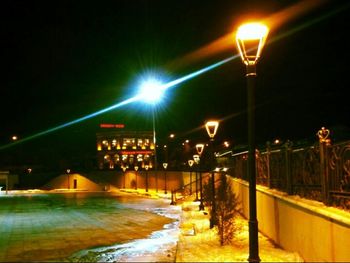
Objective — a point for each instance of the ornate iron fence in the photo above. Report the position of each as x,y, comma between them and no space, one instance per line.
320,172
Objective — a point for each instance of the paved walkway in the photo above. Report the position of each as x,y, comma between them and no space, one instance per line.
40,231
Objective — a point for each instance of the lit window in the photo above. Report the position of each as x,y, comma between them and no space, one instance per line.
116,158
146,158
131,159
129,142
139,157
105,144
114,143
106,158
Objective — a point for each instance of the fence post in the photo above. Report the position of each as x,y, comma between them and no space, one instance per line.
268,152
289,183
324,142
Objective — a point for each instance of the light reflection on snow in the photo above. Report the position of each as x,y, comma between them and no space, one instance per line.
159,244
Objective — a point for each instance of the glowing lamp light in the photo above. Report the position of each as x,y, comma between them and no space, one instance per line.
196,158
212,128
151,91
200,148
190,163
250,39
165,165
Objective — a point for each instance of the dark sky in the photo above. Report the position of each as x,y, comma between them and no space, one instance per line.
63,60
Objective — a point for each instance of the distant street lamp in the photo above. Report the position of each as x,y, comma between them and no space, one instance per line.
200,148
190,164
212,127
146,168
136,168
250,40
196,159
68,183
165,165
124,169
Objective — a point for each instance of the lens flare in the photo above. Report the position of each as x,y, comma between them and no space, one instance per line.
138,97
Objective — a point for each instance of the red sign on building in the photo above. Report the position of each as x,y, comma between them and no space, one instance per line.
109,125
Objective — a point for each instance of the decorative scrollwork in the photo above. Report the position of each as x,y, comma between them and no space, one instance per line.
323,135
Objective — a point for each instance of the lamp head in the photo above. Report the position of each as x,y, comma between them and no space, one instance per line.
212,128
190,163
200,148
250,40
165,165
196,158
151,91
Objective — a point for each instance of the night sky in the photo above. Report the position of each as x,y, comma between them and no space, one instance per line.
62,60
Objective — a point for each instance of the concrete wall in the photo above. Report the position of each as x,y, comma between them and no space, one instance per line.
102,181
67,182
174,180
318,233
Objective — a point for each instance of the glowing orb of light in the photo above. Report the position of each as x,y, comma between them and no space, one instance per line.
151,91
252,31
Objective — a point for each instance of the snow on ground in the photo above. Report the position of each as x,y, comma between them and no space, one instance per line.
198,243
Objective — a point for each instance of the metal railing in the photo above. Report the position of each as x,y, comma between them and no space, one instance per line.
320,172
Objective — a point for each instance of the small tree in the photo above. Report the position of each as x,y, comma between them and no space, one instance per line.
226,208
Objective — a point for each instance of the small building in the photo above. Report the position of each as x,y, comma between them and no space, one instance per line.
7,180
119,149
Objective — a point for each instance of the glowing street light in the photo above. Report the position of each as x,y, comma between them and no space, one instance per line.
146,168
165,165
190,163
124,169
196,159
250,40
68,172
151,91
136,168
212,128
200,148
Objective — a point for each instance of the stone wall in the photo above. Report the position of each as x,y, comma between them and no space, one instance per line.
318,233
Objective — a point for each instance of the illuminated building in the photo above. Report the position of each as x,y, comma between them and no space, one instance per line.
118,148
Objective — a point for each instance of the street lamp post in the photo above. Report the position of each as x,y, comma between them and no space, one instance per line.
250,39
190,164
165,165
146,168
155,147
151,91
124,169
200,148
212,127
196,160
136,168
68,183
